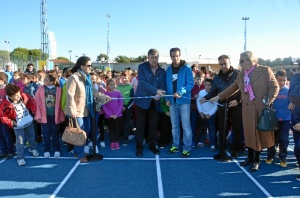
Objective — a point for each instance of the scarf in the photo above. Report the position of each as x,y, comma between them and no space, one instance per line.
248,86
89,102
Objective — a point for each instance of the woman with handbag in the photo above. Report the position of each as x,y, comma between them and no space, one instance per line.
255,82
79,99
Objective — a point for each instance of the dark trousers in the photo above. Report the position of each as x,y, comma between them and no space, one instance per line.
114,126
235,120
296,134
101,120
151,117
50,133
126,123
165,129
6,139
282,137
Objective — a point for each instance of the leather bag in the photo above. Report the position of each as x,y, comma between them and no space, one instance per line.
74,136
267,119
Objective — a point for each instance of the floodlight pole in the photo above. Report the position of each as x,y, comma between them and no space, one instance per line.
245,33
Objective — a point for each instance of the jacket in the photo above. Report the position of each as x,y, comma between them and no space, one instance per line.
185,84
148,85
76,97
7,112
41,113
221,82
263,83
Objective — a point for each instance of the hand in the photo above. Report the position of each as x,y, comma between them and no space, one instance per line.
156,97
160,92
168,113
233,103
202,115
202,100
291,106
196,96
215,99
108,99
207,116
113,116
168,103
123,109
176,95
297,127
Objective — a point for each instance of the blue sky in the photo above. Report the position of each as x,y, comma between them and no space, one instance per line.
199,27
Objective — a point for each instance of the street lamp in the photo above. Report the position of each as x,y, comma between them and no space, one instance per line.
70,51
7,42
245,33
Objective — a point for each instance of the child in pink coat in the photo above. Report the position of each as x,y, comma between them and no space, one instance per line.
49,113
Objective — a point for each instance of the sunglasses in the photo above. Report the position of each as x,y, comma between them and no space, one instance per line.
242,61
88,65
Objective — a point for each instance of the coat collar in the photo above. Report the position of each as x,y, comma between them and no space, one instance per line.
256,73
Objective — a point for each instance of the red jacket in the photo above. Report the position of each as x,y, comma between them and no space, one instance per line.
8,113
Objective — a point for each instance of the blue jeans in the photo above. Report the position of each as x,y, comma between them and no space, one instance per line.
85,124
6,139
20,140
181,113
50,131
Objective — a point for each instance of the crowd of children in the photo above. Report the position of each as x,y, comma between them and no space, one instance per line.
31,107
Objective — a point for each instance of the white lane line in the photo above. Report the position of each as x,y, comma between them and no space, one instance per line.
65,180
159,179
2,161
252,178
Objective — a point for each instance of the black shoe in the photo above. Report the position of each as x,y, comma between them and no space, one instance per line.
154,150
125,143
254,166
2,156
298,177
222,157
234,154
246,162
10,155
139,153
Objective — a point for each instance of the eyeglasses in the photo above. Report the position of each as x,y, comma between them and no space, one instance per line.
88,65
242,61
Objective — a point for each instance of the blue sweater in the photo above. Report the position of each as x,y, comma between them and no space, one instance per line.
185,84
281,103
148,84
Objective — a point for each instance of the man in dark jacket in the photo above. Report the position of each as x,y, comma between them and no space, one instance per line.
224,79
151,82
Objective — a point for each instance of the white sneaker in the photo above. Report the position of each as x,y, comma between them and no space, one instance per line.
86,149
21,162
213,148
34,152
97,151
46,154
90,144
57,154
102,144
200,144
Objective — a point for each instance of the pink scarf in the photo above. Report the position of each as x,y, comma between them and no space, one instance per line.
248,86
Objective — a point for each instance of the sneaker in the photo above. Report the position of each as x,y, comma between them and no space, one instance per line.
298,177
125,143
200,144
102,144
21,162
34,152
185,154
90,144
269,160
173,150
46,154
97,150
2,155
83,160
277,149
86,149
283,163
117,145
161,145
213,148
112,146
57,154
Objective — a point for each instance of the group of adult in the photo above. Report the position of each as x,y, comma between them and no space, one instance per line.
243,91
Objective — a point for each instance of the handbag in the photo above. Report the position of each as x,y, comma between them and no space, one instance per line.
267,119
74,136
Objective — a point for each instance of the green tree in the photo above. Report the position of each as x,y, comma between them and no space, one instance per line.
139,59
269,63
122,59
4,56
287,61
102,56
62,58
277,62
261,61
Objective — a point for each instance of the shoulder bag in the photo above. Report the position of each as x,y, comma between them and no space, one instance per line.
267,119
74,136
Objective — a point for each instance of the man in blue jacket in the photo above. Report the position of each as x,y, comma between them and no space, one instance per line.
151,82
180,82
